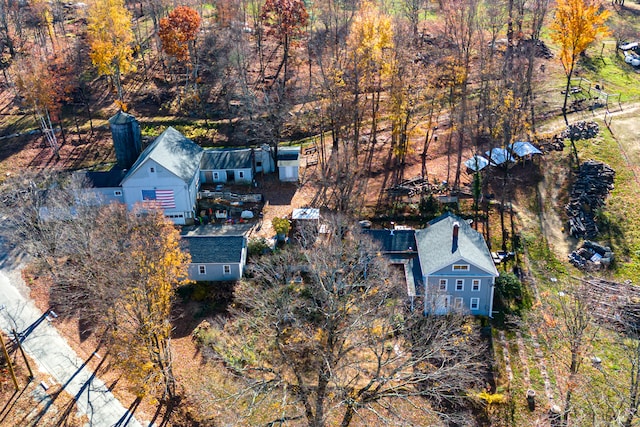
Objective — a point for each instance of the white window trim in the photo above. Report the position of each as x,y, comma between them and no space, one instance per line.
152,169
444,282
460,282
117,193
216,175
477,303
226,269
458,302
202,269
475,282
461,267
241,174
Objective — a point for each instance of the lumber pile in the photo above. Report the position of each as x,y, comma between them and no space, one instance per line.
411,187
595,181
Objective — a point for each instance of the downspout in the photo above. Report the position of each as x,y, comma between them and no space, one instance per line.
493,288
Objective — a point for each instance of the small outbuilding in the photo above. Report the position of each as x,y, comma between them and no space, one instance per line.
476,163
524,149
500,156
226,166
288,163
217,258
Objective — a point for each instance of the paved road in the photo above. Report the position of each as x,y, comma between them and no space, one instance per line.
54,356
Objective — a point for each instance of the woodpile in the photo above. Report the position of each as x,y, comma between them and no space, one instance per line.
595,181
410,187
555,143
581,130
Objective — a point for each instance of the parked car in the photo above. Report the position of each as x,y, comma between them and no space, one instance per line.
632,58
629,46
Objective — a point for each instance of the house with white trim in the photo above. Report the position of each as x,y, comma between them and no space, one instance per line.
166,175
458,271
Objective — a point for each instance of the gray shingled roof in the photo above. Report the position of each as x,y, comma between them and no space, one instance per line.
121,118
174,152
227,159
394,241
213,249
436,251
108,179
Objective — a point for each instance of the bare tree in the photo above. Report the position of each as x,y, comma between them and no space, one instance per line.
323,327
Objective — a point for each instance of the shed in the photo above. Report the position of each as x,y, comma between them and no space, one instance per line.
226,165
499,156
477,163
306,214
524,149
288,163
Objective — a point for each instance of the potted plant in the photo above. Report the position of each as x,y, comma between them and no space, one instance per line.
281,226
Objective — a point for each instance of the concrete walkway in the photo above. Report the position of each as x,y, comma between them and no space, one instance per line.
54,356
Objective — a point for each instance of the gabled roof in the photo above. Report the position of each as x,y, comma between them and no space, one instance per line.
477,163
217,159
174,152
108,179
436,249
288,153
121,118
394,240
523,148
498,156
213,249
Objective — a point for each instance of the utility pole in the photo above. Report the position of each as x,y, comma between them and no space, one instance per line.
24,356
6,356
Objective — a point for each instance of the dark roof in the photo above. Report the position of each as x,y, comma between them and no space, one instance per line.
214,249
173,151
227,159
288,153
436,249
108,179
394,240
121,118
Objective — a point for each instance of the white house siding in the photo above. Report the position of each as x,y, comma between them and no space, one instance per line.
288,170
214,272
107,195
143,179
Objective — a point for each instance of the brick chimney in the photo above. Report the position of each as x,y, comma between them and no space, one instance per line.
454,243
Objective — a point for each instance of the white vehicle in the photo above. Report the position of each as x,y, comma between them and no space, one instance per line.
632,58
628,46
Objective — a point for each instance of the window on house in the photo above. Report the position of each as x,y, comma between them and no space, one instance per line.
258,164
442,285
474,304
457,303
226,269
152,169
460,267
117,193
202,269
240,174
475,285
460,285
216,175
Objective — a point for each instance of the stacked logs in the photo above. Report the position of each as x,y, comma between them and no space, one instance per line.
595,181
581,130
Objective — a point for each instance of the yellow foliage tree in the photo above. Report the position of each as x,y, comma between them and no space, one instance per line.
111,38
576,24
142,337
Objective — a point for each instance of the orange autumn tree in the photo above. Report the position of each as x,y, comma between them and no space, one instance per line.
34,82
285,19
178,32
576,25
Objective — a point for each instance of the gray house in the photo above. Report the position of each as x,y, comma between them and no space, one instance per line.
105,186
215,258
457,269
227,165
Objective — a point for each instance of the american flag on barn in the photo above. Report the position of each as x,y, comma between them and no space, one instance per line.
159,198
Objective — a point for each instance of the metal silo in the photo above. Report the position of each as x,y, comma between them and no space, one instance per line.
125,131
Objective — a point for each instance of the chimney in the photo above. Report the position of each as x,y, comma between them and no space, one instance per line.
454,245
